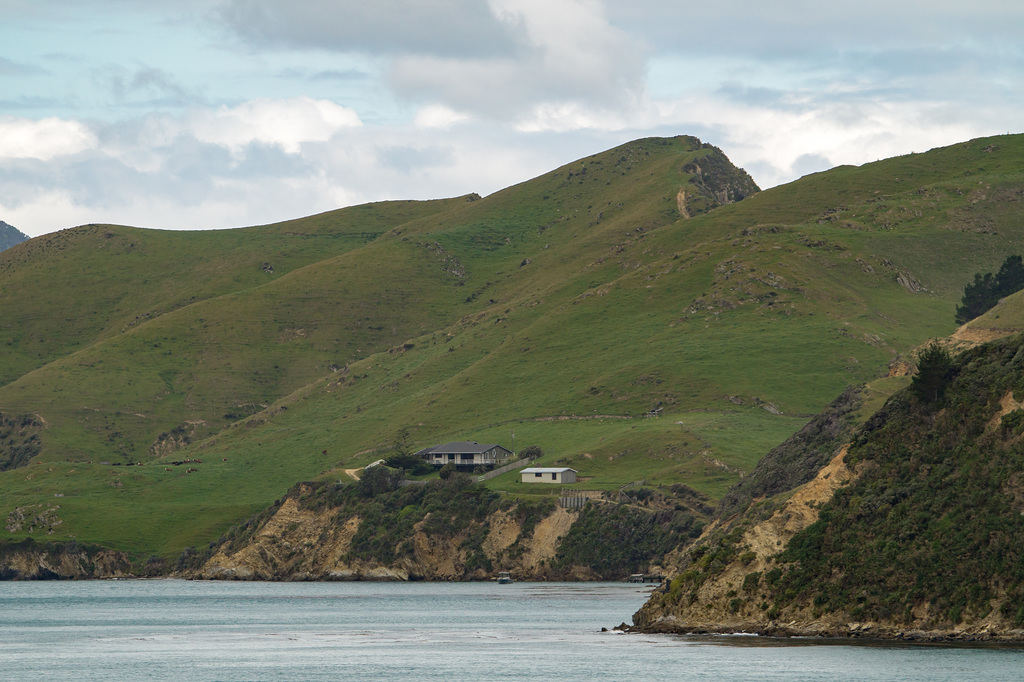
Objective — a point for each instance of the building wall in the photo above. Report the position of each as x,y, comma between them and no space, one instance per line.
485,458
556,477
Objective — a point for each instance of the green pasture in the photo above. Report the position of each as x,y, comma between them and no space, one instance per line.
570,309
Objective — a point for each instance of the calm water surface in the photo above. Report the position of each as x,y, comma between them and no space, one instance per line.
169,629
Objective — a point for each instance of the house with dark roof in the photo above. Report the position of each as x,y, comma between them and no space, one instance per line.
465,454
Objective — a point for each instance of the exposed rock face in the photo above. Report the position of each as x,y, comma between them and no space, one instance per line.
714,182
711,605
303,544
298,544
39,561
176,439
541,548
909,282
19,439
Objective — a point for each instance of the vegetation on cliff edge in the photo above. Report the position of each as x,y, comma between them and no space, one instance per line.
933,521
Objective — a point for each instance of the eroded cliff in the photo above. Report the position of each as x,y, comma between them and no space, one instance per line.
912,531
444,530
302,543
28,560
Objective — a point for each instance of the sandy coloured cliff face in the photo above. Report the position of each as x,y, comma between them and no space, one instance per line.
41,561
298,544
714,608
294,543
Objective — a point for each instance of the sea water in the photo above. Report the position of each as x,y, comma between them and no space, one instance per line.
178,630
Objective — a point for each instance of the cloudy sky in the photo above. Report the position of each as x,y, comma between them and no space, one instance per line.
222,113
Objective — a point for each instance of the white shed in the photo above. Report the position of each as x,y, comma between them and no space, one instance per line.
548,475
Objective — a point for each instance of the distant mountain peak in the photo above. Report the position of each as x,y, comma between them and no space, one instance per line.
10,235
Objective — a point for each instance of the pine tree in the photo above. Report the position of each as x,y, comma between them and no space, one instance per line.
934,370
1010,278
978,297
984,292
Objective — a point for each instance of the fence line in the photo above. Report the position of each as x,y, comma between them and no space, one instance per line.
519,464
577,499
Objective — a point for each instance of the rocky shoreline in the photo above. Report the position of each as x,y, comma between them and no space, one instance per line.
850,631
835,629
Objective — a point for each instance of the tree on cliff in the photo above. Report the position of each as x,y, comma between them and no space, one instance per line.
934,370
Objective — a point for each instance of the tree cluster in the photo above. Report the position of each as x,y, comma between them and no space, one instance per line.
984,292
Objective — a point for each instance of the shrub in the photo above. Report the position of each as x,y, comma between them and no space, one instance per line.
378,480
531,452
411,464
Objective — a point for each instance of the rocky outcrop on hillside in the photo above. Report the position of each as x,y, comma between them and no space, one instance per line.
19,439
713,181
912,531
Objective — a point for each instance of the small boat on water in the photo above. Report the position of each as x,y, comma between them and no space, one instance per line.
504,578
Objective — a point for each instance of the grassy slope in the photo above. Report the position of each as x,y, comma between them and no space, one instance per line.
1006,317
567,296
102,280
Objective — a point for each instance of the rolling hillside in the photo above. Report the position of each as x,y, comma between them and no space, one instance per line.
644,313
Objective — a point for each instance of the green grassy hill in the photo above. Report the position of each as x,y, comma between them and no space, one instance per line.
618,312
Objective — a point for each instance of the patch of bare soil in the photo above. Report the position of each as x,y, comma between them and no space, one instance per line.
681,204
544,543
1006,405
768,538
973,336
765,540
503,534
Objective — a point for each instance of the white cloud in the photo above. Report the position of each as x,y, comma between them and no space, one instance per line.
186,172
438,116
460,96
286,123
568,56
44,212
568,116
44,139
778,144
